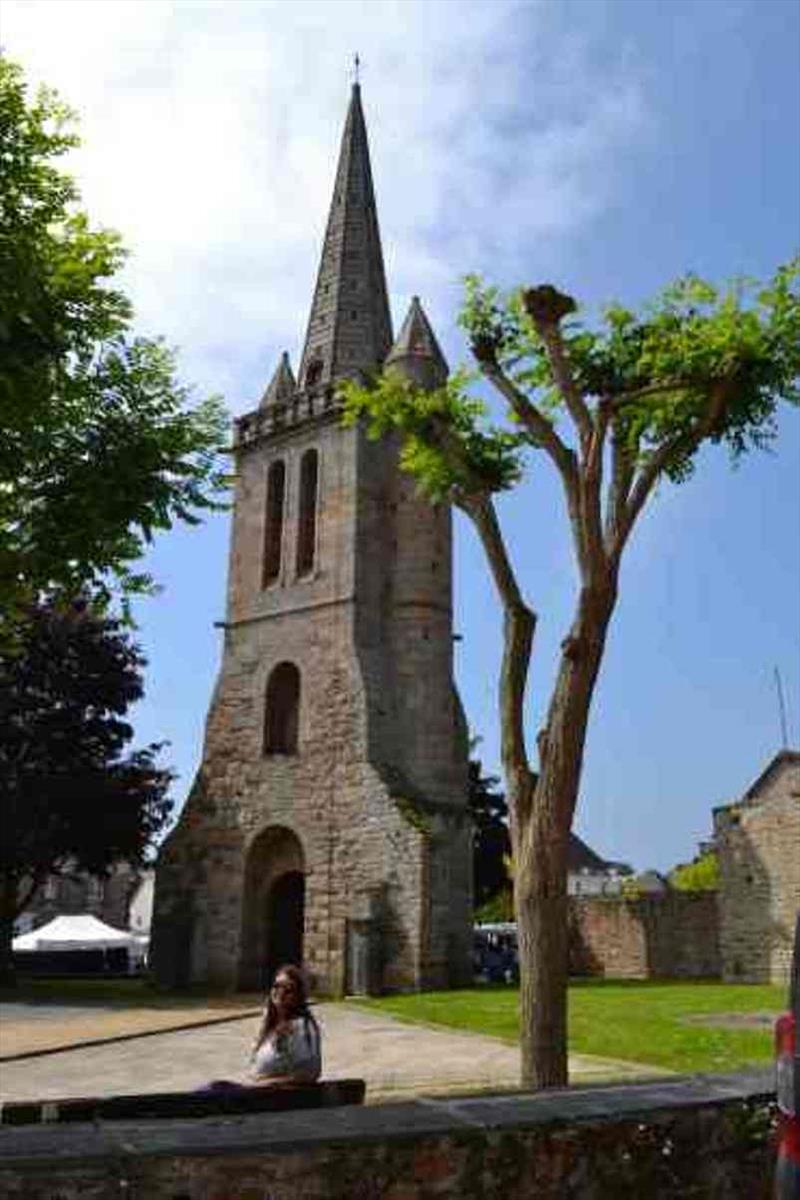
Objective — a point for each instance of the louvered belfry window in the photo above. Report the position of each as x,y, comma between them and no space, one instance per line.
273,527
307,516
282,712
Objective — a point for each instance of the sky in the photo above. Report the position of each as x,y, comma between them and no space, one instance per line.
606,146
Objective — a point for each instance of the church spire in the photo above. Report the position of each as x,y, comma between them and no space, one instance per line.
349,329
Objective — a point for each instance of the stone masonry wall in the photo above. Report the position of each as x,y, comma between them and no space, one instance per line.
671,936
704,1139
758,842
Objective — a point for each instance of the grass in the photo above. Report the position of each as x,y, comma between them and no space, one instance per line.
130,992
648,1022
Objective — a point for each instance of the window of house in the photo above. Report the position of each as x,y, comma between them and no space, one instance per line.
307,519
94,890
282,713
273,527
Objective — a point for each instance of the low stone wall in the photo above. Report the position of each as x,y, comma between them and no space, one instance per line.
668,937
695,1139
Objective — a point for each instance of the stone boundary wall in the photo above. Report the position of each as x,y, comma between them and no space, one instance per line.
703,1138
661,937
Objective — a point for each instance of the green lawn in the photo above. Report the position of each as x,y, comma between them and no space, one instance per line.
641,1022
123,992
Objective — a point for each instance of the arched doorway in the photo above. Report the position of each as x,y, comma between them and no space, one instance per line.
285,911
273,909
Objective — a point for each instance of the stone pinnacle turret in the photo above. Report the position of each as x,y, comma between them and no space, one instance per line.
349,329
282,386
416,351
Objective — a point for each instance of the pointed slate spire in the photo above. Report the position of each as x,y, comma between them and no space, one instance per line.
282,386
416,352
349,329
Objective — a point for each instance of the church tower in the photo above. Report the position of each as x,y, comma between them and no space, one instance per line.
327,823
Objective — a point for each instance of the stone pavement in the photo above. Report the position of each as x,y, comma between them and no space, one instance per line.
30,1028
398,1061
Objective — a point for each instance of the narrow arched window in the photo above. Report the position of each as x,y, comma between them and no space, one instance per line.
273,526
282,715
314,372
307,518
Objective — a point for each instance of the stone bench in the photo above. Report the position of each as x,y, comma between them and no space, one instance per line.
331,1094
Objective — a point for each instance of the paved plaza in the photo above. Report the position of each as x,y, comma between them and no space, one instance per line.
397,1060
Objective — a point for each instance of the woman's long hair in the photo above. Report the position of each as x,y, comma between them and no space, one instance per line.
299,1007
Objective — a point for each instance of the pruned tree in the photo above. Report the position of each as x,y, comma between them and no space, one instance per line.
615,408
70,796
99,443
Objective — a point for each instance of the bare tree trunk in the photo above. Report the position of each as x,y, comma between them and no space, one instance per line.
8,911
540,902
541,844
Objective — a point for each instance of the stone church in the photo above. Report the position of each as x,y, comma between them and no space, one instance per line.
327,823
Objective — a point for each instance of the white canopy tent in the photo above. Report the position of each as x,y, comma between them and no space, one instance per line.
80,932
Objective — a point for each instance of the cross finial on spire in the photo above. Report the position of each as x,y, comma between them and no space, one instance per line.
356,68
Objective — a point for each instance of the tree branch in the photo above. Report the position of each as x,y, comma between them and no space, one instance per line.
623,458
590,489
655,389
519,625
21,902
537,425
719,396
546,306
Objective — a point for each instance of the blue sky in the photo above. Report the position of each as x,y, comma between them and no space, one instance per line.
603,146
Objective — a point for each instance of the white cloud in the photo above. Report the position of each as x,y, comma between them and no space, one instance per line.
211,131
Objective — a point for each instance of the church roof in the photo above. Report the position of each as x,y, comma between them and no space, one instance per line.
349,328
417,339
282,386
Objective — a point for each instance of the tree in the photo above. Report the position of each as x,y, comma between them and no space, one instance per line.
491,841
98,447
700,875
614,408
69,796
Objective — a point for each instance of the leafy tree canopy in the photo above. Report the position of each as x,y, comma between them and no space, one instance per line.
702,875
98,445
649,375
70,795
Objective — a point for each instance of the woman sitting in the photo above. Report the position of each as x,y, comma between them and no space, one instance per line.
287,1049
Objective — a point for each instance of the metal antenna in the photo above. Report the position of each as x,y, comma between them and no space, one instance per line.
356,68
781,709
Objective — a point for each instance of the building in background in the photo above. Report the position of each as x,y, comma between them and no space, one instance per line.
590,875
74,893
758,843
140,909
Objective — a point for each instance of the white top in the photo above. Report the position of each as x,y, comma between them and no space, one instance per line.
79,932
295,1052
